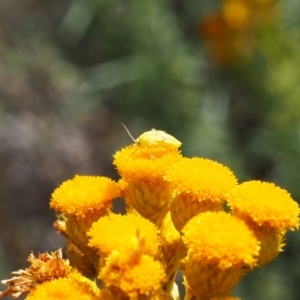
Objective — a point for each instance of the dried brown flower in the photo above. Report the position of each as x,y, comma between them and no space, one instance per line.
43,268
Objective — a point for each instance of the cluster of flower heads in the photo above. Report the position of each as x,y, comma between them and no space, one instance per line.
175,219
231,32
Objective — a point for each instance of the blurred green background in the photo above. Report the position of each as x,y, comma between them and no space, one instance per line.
221,76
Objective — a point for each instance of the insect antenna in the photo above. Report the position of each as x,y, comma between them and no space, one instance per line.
129,133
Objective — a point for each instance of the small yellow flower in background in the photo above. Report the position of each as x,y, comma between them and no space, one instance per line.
237,13
220,247
123,233
269,211
73,287
199,185
144,169
83,200
232,31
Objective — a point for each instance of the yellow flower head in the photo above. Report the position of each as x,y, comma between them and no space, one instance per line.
132,274
220,247
69,288
199,185
144,169
236,13
85,196
218,238
123,233
264,204
83,200
269,211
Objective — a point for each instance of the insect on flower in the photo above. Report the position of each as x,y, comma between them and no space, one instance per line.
154,138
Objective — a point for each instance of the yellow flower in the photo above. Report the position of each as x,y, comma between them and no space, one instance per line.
199,185
132,274
144,169
229,34
123,233
269,211
85,196
127,246
70,288
236,13
83,200
220,247
264,204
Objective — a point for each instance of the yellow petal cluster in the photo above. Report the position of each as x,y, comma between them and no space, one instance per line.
199,185
123,232
136,164
269,211
220,248
264,204
220,239
85,196
132,274
144,169
69,288
83,200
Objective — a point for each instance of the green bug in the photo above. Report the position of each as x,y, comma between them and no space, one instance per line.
154,138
